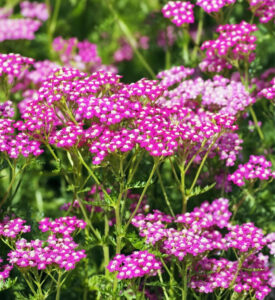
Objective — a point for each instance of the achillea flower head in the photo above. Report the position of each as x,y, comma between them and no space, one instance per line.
179,12
245,238
11,228
212,274
264,9
64,225
166,38
268,92
256,168
138,264
73,53
174,75
235,42
13,64
41,254
213,5
5,12
6,109
124,52
200,234
34,10
18,29
4,271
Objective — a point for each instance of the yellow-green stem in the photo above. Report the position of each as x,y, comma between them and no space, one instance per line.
156,163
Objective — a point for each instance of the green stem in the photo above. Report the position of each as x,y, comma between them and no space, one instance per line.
94,177
87,220
240,263
52,152
182,187
58,286
29,283
131,39
195,155
185,47
165,194
167,58
184,281
156,162
174,171
6,195
255,120
198,36
106,253
163,287
202,164
52,22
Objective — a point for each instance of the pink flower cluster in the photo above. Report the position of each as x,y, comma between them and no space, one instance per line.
213,5
235,42
179,12
264,9
212,274
13,228
256,167
64,225
13,64
138,264
5,12
101,101
174,75
73,53
15,144
18,29
126,52
268,92
41,254
58,249
166,38
6,109
198,236
34,10
217,95
245,238
4,271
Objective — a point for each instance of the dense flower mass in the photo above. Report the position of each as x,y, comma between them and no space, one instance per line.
13,228
174,75
4,271
213,5
269,92
129,159
199,233
64,225
256,167
235,42
179,12
13,64
34,10
264,9
138,264
218,95
18,29
211,274
6,109
78,99
82,55
245,238
40,254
